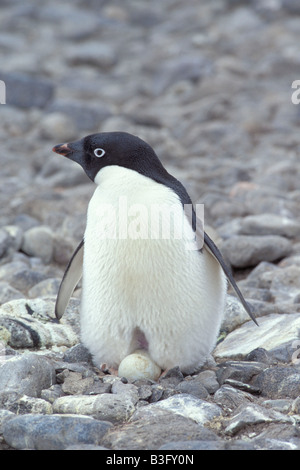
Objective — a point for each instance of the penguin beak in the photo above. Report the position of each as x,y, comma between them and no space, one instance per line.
62,149
73,151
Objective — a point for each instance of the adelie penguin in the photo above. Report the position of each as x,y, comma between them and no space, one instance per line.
157,293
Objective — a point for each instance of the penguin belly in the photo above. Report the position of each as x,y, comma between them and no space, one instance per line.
140,290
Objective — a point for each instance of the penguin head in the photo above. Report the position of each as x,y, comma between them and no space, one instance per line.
97,151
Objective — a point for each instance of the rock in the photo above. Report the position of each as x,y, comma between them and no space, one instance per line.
45,288
153,430
27,375
180,69
282,405
58,127
251,415
208,379
25,91
5,415
92,53
279,382
8,293
192,387
106,407
230,398
244,251
269,224
25,405
86,116
242,371
78,353
198,410
31,324
50,394
274,330
38,241
234,314
4,242
194,445
172,377
56,432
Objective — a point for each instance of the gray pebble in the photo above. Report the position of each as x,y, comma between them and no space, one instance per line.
26,91
38,241
54,432
106,406
28,375
243,251
78,353
192,387
253,414
269,224
8,293
230,397
279,382
152,430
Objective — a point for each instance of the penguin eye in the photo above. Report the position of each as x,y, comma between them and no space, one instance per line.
99,153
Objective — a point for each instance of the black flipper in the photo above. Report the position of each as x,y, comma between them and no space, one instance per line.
216,253
69,281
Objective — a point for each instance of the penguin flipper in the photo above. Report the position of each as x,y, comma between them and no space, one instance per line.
69,281
214,250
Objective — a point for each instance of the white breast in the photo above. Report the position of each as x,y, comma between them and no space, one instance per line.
141,281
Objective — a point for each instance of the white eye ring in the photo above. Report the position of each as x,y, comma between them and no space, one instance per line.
99,153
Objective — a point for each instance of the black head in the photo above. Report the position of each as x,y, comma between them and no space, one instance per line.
97,151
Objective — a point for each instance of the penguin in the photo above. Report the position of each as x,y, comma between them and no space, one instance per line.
142,289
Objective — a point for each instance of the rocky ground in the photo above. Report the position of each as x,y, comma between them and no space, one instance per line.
208,85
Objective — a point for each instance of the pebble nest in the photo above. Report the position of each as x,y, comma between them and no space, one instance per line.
209,86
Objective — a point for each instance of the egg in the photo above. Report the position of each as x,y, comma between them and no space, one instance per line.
139,365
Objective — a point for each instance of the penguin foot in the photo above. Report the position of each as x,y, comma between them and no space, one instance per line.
108,370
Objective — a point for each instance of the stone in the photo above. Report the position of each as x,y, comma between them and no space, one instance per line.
31,324
105,407
58,127
208,379
200,411
45,288
50,394
269,224
231,398
171,377
54,432
38,241
244,251
242,371
22,375
92,53
253,414
192,387
4,242
234,314
279,382
8,293
153,430
86,116
273,330
25,91
281,404
78,353
25,405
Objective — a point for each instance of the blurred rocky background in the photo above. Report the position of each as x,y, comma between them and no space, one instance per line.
208,84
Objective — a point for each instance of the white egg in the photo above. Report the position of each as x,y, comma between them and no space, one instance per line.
139,365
